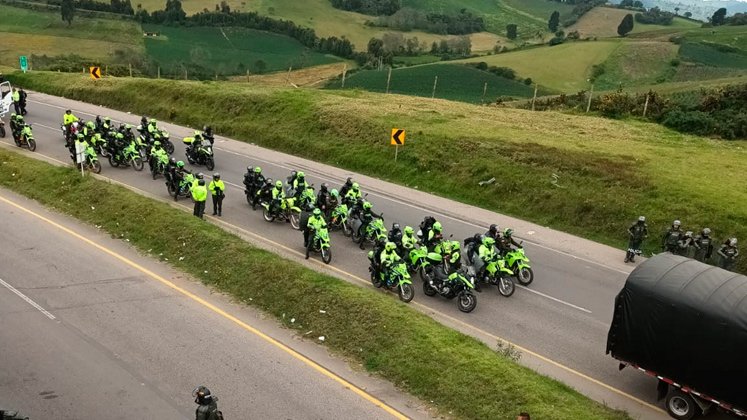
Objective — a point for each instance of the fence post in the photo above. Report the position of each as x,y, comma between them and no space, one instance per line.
484,91
130,64
645,106
534,98
435,82
388,79
344,70
159,72
591,94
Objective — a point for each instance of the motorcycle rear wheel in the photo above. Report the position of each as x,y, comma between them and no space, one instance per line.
169,146
506,287
525,276
2,132
406,292
346,231
466,302
375,280
113,162
210,164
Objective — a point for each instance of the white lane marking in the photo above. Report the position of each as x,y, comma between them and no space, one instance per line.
554,299
398,201
27,299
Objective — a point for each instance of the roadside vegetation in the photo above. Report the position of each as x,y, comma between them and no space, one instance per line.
459,375
589,176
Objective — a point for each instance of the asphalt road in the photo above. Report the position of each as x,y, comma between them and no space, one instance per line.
559,323
86,335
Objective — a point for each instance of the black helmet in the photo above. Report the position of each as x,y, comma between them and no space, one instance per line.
324,187
395,226
201,182
268,181
172,160
493,228
200,175
202,395
250,169
349,181
207,129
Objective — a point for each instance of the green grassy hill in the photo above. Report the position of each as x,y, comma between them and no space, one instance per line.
455,82
229,50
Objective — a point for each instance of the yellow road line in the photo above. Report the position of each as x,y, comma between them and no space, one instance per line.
324,371
420,305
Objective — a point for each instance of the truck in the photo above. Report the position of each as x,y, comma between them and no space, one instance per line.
685,323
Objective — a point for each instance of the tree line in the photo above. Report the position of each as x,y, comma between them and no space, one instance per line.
581,7
368,7
407,19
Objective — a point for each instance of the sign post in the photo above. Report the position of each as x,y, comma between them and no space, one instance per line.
24,63
397,139
80,158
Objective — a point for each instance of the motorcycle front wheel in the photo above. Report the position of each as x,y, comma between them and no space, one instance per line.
375,280
346,231
466,302
525,276
428,290
295,220
169,146
31,143
268,216
406,292
96,167
2,131
137,164
326,255
113,162
506,286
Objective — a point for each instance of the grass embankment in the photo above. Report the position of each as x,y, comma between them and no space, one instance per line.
460,374
455,82
608,172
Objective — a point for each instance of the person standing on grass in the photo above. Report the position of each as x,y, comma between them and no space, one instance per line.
728,254
217,190
637,232
199,195
670,240
703,246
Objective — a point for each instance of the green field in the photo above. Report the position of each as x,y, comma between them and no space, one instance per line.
711,55
608,172
637,64
455,82
227,50
563,68
602,22
27,32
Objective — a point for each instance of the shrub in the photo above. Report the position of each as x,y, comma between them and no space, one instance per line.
697,122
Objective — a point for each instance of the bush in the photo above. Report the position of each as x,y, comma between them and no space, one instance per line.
596,71
615,105
675,62
505,72
556,40
528,81
697,122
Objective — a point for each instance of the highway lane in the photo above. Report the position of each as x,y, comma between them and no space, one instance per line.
563,316
86,335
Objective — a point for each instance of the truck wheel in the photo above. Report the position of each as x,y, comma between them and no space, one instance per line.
681,405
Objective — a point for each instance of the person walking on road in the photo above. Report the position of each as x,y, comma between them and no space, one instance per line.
218,191
638,231
22,100
728,254
207,405
17,101
199,195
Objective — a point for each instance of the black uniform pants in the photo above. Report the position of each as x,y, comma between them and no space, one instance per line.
217,204
199,209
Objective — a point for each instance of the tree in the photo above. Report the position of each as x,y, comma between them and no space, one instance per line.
67,10
626,3
224,7
260,66
719,16
626,25
677,11
554,21
376,47
638,4
511,29
688,14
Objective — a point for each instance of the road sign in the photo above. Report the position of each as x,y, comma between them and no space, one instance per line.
95,72
398,137
24,63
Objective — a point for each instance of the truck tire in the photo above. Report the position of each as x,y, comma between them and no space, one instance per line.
681,405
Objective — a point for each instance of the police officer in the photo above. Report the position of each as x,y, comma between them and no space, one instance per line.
207,405
703,245
638,231
671,239
218,191
199,195
728,253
